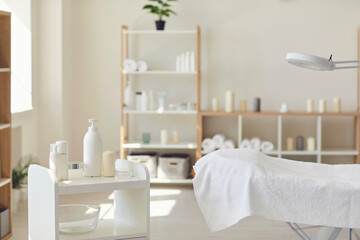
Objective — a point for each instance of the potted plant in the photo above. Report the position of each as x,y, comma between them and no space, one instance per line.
19,175
162,9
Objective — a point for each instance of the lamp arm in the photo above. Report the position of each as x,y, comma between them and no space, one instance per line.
346,67
347,62
344,62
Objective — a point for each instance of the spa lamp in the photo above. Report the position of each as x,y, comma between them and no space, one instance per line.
318,63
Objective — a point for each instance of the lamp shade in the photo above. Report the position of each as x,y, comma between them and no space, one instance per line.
310,62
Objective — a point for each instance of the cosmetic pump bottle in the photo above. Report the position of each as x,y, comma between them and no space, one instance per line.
92,151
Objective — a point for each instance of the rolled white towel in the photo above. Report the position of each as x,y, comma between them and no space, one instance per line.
266,146
228,144
208,145
129,65
142,66
218,140
245,144
255,144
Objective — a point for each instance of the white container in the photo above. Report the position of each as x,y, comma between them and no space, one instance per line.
138,100
62,148
144,103
76,170
322,105
129,96
229,101
108,164
174,166
215,105
148,159
337,105
161,100
92,151
311,144
58,163
164,136
310,105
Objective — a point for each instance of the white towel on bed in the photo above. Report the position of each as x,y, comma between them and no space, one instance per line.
231,184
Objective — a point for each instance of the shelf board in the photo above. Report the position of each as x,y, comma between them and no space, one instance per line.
4,126
339,152
159,72
308,153
171,181
138,145
108,230
277,113
4,69
161,112
4,181
98,184
159,32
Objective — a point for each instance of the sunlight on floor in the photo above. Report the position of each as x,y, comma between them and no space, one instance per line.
164,192
161,208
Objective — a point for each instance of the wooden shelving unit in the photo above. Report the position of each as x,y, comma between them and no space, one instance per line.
320,151
5,114
279,151
131,218
125,143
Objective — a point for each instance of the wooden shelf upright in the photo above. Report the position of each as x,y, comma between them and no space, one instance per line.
5,115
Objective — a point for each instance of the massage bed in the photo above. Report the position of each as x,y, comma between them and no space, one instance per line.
232,184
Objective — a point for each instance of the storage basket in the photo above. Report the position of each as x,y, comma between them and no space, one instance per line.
174,166
148,159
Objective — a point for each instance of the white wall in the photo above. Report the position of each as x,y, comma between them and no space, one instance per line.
244,44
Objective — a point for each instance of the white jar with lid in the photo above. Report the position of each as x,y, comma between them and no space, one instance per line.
76,170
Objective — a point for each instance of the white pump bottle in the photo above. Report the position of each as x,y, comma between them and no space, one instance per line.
92,151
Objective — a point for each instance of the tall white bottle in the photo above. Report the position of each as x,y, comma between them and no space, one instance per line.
92,151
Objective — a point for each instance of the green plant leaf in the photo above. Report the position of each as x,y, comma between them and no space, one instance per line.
148,6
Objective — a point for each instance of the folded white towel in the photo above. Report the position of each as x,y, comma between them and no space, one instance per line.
245,144
255,143
129,65
231,184
218,139
228,144
142,66
266,146
208,145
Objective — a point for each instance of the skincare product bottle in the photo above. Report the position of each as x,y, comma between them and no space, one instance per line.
58,163
62,149
138,100
92,151
129,96
144,101
76,170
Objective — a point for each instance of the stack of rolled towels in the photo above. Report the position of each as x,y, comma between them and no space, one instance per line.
257,145
218,141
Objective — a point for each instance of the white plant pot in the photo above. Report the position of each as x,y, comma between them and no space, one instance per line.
24,193
15,199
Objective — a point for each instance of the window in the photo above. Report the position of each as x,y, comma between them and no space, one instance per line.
21,72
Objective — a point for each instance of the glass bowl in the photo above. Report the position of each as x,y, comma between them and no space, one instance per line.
78,218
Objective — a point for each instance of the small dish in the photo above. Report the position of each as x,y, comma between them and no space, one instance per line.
78,218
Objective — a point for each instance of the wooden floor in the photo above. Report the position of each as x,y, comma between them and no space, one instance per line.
175,215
